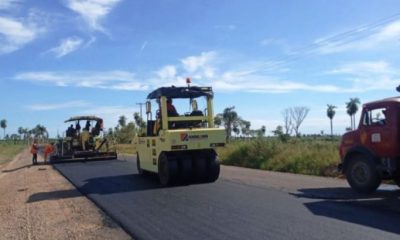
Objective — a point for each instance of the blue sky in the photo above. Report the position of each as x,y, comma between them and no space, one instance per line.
61,58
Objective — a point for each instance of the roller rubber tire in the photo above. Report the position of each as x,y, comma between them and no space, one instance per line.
213,169
200,169
167,170
185,170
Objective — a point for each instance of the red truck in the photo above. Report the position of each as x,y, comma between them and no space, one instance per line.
371,153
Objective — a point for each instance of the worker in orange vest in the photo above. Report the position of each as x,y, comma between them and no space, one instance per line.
48,149
34,151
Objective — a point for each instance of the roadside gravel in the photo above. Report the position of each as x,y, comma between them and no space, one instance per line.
36,202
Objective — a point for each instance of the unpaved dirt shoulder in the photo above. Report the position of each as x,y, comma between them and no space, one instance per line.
36,202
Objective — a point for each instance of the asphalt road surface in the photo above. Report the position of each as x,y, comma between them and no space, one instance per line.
242,204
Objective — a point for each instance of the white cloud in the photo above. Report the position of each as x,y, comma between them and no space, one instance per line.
92,11
57,106
15,34
362,39
167,72
7,4
369,75
205,69
67,46
194,63
367,67
121,80
252,82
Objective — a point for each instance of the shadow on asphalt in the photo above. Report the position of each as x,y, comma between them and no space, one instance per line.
103,186
346,193
370,213
346,205
120,183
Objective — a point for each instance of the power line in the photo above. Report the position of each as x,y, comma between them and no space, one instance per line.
347,36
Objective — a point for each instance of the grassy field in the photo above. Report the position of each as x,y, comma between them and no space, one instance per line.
126,149
305,156
9,150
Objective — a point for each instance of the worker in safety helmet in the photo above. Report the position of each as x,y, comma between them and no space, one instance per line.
34,151
48,149
171,108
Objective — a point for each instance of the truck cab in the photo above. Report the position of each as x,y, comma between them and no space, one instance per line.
371,153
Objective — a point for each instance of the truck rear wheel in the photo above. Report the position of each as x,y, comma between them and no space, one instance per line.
167,170
362,174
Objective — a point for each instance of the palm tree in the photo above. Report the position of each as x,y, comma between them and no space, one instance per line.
139,121
230,119
352,108
3,125
330,112
263,129
21,131
40,132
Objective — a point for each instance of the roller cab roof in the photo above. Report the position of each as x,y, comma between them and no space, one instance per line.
82,118
181,92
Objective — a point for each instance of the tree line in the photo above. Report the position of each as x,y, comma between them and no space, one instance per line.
232,122
125,131
39,132
351,110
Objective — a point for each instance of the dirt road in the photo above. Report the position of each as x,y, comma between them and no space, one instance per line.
36,202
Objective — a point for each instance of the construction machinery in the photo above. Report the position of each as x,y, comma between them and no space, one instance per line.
371,153
84,143
180,148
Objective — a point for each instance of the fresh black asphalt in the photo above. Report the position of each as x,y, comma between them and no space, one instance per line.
224,209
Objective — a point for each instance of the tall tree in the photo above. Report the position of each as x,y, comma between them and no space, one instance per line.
352,108
140,123
330,112
230,118
218,120
21,131
122,121
298,114
40,131
245,127
3,125
287,121
262,131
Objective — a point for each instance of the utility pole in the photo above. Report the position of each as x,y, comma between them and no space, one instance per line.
140,104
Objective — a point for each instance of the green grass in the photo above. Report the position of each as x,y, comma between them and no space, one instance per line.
305,156
9,150
126,149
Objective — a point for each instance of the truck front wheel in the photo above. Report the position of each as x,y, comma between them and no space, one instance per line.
362,174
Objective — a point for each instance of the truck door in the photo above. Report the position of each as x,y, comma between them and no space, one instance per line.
376,132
